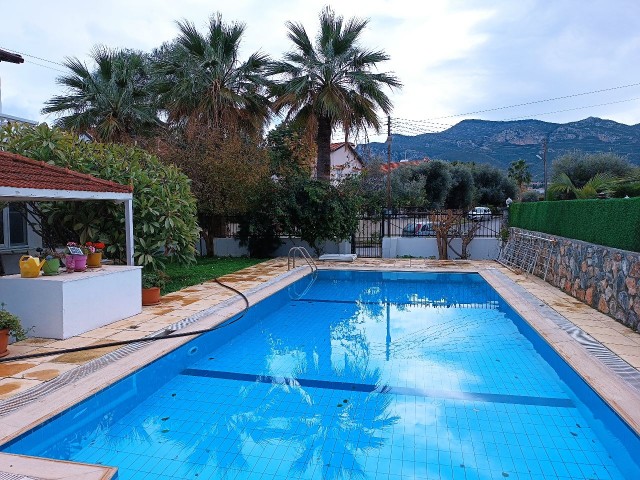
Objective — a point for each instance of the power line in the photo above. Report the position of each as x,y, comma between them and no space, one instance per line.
45,66
33,56
537,101
570,109
421,121
415,126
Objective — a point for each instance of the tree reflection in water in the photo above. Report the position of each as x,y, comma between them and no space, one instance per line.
332,431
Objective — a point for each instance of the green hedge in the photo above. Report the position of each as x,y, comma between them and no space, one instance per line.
613,222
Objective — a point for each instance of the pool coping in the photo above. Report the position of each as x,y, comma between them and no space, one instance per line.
568,340
21,467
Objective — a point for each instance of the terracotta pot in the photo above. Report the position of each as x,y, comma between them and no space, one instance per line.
79,263
94,260
150,296
4,341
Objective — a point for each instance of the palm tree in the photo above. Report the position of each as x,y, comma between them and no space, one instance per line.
519,172
599,184
112,102
201,81
329,82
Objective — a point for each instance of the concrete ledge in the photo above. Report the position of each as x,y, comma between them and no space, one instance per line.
24,467
69,304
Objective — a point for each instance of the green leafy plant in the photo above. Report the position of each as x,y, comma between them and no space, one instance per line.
12,323
164,209
152,279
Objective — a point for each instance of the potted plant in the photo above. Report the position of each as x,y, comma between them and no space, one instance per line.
9,325
152,282
52,260
94,259
77,257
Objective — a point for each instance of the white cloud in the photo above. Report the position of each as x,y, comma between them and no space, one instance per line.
452,56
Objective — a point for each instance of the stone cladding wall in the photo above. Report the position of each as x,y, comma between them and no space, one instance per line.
605,278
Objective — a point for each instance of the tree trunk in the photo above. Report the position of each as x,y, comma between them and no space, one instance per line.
323,141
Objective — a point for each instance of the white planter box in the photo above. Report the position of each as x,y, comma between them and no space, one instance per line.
73,303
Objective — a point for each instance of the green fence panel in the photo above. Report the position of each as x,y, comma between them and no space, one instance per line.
614,222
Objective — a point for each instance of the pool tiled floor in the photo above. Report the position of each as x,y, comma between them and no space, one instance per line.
20,376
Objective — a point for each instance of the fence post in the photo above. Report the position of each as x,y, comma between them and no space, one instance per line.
382,225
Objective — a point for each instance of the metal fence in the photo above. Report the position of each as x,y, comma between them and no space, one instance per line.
424,224
366,241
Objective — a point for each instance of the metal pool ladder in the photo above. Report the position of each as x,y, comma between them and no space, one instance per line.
291,260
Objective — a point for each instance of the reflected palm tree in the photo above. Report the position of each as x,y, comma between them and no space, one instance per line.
334,442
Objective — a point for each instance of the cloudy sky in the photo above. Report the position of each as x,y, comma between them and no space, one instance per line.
456,58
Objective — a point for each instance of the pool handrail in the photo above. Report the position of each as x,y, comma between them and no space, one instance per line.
291,259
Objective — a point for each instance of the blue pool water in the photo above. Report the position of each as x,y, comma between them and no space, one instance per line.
361,375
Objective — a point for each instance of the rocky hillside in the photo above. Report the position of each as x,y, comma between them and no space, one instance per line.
500,143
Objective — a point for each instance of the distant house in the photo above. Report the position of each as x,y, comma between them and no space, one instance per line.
345,161
393,165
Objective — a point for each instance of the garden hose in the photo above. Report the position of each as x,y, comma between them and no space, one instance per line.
167,334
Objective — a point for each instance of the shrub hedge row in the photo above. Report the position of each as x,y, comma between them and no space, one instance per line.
613,222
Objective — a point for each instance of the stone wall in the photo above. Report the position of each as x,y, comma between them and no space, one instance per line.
605,278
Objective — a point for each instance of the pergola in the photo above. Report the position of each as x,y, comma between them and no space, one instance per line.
23,179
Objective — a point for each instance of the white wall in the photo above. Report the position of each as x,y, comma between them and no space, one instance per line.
230,247
343,164
69,304
478,249
392,247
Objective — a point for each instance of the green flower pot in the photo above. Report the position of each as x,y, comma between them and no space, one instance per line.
51,267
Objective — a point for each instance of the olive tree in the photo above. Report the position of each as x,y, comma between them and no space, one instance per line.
581,167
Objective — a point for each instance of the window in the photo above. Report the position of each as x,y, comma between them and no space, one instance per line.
13,227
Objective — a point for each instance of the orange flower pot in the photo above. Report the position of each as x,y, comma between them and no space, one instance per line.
150,296
4,342
94,260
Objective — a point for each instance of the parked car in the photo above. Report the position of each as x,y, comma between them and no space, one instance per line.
419,229
479,214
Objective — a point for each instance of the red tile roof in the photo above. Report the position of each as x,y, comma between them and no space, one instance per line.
394,165
23,172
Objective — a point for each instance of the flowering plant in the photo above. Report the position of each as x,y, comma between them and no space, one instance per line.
95,247
85,249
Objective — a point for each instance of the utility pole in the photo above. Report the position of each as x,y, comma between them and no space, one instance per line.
388,174
388,163
544,164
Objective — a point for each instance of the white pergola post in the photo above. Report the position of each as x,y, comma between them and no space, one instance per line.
128,223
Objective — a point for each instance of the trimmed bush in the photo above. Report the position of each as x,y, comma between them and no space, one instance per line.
613,222
164,210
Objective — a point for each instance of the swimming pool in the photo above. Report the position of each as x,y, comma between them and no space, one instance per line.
356,375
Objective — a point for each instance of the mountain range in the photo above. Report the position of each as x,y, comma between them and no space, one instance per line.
500,143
